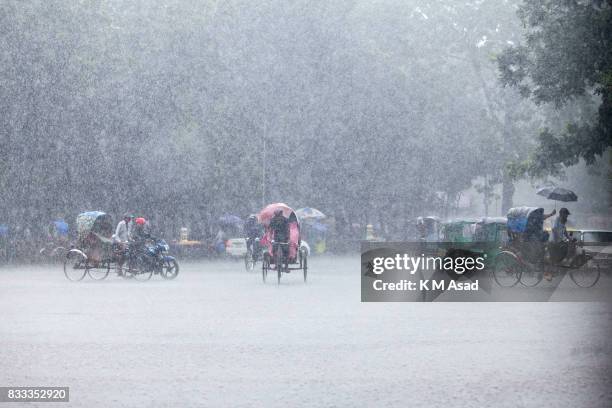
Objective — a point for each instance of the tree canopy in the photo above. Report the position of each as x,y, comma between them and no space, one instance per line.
565,59
369,111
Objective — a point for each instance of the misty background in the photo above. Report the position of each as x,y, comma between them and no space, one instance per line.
372,111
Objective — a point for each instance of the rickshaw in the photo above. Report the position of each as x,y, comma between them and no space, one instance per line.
458,230
492,234
273,259
528,254
93,253
491,229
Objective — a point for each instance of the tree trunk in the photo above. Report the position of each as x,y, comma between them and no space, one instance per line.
507,193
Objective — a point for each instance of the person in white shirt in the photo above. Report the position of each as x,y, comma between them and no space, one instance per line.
123,234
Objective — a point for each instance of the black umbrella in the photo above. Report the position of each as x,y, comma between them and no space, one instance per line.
557,194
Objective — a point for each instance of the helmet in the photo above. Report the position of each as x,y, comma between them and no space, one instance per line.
140,221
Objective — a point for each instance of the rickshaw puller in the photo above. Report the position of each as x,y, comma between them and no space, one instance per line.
279,225
122,236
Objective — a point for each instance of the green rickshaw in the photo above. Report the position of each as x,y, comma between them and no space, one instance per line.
459,230
491,233
492,229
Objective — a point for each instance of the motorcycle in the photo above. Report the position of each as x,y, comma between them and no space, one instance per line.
151,259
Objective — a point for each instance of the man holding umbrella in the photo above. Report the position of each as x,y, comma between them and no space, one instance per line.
559,231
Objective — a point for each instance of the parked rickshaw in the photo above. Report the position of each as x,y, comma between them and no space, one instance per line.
492,234
273,259
458,230
528,255
491,229
93,253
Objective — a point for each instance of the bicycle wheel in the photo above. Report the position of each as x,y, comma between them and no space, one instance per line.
170,269
75,266
100,272
249,263
506,269
585,277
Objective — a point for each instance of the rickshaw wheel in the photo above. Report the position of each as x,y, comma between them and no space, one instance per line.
585,277
101,272
75,266
137,273
305,266
278,263
170,269
506,269
530,276
265,264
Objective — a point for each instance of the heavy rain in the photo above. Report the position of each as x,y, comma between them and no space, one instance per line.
187,186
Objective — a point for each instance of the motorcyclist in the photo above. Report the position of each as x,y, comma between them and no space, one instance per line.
139,231
138,237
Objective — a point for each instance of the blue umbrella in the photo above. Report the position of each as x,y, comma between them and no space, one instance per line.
61,226
230,219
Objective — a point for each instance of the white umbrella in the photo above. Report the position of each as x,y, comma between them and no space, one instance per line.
309,213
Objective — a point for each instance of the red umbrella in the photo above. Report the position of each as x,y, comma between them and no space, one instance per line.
267,213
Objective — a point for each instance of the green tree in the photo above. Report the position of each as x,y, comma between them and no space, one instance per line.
566,55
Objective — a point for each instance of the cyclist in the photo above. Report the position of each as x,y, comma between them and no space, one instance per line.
252,230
